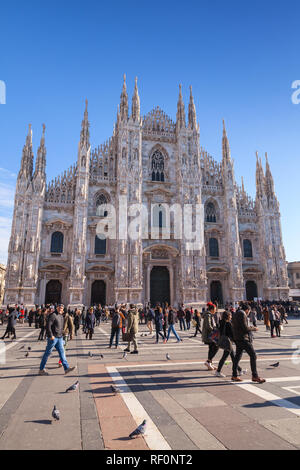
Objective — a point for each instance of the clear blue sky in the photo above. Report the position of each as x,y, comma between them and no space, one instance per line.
240,57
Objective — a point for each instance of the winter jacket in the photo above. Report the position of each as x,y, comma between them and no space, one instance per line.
209,324
68,325
158,320
240,328
90,321
55,325
133,321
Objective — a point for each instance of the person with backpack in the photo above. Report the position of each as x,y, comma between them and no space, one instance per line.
118,321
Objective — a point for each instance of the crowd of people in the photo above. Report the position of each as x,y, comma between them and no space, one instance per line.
220,330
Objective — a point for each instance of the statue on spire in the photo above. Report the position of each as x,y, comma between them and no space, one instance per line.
124,102
180,116
85,133
136,108
225,145
192,112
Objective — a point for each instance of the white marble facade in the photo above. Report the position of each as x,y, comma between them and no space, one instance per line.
149,160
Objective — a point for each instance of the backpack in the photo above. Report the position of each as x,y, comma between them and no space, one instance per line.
116,320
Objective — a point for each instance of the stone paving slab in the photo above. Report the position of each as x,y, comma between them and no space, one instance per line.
288,429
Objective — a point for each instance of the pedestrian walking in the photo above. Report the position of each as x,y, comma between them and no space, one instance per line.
68,331
42,324
165,320
225,342
210,334
77,320
90,324
181,318
197,320
11,324
243,340
158,320
150,318
117,323
171,323
54,330
132,328
188,317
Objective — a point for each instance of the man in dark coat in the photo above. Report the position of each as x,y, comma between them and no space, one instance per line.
11,323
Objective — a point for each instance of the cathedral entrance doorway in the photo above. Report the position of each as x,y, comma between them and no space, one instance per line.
98,293
251,290
53,292
216,293
159,285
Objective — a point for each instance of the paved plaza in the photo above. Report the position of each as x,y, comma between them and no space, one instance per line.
187,407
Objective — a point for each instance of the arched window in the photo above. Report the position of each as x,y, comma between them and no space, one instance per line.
100,202
100,246
158,166
247,249
159,216
57,242
210,213
213,248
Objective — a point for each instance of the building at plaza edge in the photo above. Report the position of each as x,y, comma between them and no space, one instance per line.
55,254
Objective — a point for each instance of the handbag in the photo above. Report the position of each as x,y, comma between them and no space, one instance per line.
127,336
214,336
225,343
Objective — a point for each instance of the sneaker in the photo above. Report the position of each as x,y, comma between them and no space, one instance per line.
219,374
134,352
209,365
70,369
258,380
43,372
236,379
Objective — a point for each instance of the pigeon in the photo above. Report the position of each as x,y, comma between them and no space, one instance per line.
275,365
29,348
22,347
90,354
73,387
55,414
115,389
27,354
168,357
124,354
101,355
140,430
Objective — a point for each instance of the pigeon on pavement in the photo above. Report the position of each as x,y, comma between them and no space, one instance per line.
55,414
73,387
168,357
29,348
101,355
27,354
90,354
115,389
140,430
275,365
124,354
22,347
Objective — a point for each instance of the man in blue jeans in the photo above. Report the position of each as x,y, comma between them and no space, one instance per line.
54,330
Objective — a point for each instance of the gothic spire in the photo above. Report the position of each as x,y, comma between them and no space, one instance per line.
225,145
180,116
40,165
192,112
27,157
136,108
85,133
124,102
260,178
270,190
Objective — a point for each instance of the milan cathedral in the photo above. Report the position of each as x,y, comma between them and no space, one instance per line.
56,256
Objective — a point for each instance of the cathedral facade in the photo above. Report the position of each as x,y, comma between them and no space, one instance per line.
56,255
